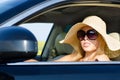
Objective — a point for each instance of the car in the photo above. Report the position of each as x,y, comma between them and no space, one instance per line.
46,20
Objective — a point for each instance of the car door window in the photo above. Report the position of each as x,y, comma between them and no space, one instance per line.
64,16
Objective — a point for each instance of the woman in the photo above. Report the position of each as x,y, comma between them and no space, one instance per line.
91,42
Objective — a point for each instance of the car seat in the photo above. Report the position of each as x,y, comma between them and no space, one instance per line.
60,49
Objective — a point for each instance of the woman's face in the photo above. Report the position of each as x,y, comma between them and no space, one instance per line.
89,45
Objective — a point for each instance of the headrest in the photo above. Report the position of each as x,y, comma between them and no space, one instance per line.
62,48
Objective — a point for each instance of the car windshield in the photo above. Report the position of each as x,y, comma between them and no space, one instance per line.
11,8
6,5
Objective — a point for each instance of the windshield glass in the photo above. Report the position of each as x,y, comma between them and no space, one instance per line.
10,8
9,4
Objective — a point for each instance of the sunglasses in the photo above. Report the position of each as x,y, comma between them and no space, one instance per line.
91,34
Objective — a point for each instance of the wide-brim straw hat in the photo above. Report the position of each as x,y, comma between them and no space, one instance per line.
99,25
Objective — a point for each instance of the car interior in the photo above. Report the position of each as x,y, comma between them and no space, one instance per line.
65,16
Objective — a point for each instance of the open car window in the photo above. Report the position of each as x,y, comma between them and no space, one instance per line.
65,16
60,18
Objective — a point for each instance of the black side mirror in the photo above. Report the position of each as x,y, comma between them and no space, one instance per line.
17,44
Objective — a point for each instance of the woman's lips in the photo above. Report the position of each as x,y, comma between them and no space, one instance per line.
86,44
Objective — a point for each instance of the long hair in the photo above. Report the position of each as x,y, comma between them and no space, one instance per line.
102,45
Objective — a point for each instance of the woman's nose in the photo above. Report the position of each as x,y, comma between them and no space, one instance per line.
85,38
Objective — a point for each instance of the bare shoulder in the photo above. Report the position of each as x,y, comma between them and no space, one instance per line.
65,58
102,57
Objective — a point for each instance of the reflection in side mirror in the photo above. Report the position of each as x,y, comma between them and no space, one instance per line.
17,44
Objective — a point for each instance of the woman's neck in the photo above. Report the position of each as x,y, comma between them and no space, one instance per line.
88,54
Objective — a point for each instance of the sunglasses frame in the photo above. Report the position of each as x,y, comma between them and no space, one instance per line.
91,34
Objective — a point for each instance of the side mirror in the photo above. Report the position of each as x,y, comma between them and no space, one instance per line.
17,44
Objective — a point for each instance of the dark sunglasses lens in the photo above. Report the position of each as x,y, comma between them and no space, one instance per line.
81,34
92,34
